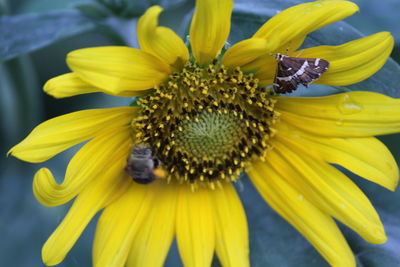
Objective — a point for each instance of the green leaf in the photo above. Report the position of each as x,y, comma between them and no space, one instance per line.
25,33
39,6
93,10
246,20
178,16
3,7
126,8
260,6
378,17
20,101
132,8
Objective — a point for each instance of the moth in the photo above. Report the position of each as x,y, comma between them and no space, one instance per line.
292,71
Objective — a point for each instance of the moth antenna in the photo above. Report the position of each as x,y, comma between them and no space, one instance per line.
288,48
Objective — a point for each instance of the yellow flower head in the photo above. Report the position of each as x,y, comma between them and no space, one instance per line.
208,116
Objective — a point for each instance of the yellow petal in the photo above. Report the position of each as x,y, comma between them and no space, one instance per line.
210,28
265,65
364,156
295,23
352,114
328,189
350,63
160,41
87,164
67,85
102,190
246,51
311,222
195,232
116,69
120,223
58,134
151,244
289,28
354,61
265,68
231,242
70,84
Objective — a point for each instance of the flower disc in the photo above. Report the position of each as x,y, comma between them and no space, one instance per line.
204,124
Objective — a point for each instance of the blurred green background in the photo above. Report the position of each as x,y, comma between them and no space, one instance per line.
35,37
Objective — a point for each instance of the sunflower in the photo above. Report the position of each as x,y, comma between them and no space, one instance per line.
209,116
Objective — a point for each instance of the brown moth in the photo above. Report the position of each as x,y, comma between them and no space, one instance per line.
292,71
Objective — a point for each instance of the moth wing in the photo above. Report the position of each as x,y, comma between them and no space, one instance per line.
313,71
318,64
285,69
282,87
292,71
290,65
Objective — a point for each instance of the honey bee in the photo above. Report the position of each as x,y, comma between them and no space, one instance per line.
143,166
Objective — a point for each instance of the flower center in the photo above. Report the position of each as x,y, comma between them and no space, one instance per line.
205,124
209,135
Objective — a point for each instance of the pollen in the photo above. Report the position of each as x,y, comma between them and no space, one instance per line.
215,123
